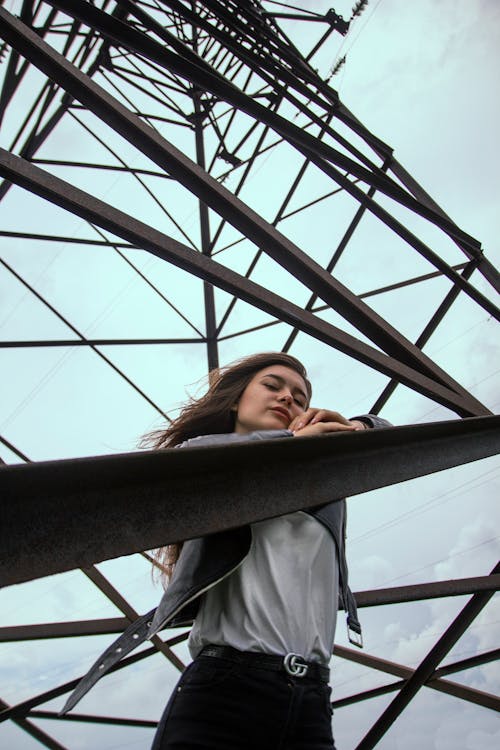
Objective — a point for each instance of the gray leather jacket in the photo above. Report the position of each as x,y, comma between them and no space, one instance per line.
206,560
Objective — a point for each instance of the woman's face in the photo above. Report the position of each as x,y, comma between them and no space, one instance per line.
274,396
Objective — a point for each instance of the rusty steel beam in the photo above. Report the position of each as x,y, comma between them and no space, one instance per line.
75,330
469,663
215,195
485,267
208,289
59,515
472,695
13,448
425,670
22,709
102,583
340,111
16,633
94,342
62,238
123,34
426,334
426,207
377,597
37,137
457,690
93,719
38,734
82,204
420,591
365,695
363,295
347,236
101,214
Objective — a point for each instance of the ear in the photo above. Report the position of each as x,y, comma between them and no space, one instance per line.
234,407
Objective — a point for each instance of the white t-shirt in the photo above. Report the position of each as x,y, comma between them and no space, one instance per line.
282,598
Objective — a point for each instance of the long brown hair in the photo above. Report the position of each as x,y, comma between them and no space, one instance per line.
211,414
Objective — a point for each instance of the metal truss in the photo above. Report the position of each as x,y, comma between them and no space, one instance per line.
186,100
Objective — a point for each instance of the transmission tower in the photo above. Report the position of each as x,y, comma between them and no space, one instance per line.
181,186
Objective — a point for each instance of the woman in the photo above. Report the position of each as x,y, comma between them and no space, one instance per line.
262,599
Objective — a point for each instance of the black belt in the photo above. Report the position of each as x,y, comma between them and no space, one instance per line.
293,664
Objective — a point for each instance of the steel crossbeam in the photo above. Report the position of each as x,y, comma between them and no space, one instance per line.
95,514
137,233
372,598
435,681
38,734
419,591
276,245
187,64
200,51
427,667
42,631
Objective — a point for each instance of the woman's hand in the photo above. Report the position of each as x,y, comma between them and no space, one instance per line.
321,421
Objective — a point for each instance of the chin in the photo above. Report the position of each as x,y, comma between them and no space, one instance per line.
279,424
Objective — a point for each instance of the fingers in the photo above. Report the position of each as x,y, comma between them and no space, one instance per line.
314,416
321,428
359,425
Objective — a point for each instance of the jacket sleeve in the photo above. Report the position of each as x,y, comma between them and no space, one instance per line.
234,437
373,421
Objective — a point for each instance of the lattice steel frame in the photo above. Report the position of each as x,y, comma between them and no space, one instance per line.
174,52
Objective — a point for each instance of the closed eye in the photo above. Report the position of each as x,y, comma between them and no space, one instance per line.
271,386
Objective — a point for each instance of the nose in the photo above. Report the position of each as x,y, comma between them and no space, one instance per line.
286,397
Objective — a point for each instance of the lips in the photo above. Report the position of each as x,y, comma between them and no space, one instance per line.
282,413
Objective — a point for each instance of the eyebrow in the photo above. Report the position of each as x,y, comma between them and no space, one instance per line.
295,388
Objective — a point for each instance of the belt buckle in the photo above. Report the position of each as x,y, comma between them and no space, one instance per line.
294,666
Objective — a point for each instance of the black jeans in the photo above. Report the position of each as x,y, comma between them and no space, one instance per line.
220,705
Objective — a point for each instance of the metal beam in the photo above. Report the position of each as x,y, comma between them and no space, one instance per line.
42,631
469,663
485,267
425,670
93,719
37,137
95,342
363,295
13,448
420,591
206,244
457,690
429,210
191,66
426,334
22,709
130,613
100,354
340,111
336,255
365,695
33,730
109,506
215,195
377,597
127,227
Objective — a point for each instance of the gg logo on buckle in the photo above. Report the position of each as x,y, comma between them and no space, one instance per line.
294,666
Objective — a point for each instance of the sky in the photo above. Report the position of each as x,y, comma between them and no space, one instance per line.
422,77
